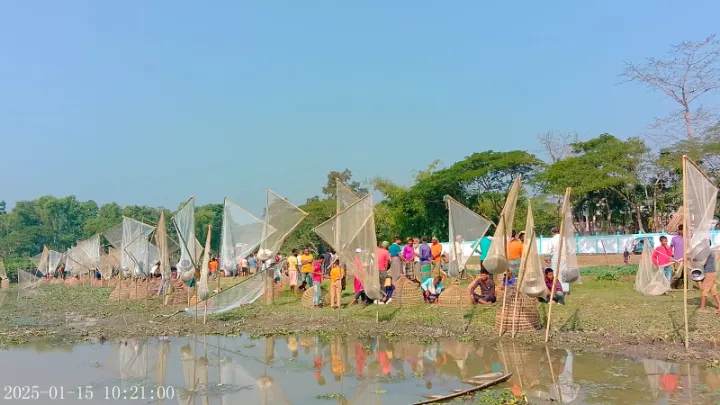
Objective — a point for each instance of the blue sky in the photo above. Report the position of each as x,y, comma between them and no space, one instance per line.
149,102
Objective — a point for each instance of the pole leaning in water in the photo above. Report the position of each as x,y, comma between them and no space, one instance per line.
566,202
686,231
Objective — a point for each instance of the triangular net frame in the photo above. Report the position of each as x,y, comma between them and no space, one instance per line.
465,224
356,232
241,234
41,262
700,203
345,197
496,260
84,257
135,246
161,243
650,280
281,217
190,248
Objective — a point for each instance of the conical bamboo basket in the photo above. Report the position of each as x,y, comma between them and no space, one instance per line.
528,317
57,281
455,297
5,283
307,297
407,294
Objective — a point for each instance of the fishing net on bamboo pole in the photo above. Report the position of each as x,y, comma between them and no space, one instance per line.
281,217
190,248
352,234
5,283
650,280
83,258
496,261
464,225
569,268
241,234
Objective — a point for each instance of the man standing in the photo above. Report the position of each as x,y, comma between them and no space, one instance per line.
396,264
306,266
383,260
408,258
662,257
425,259
436,252
707,286
484,247
678,245
327,257
252,261
292,263
515,248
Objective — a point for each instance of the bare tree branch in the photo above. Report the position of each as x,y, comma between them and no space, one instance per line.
691,70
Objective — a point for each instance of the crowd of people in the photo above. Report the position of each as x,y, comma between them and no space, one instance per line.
420,260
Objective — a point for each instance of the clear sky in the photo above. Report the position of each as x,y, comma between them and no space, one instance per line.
149,102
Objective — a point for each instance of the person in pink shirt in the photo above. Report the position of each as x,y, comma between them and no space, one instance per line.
408,258
663,257
360,296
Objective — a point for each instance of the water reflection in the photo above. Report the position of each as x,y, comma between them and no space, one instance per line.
304,370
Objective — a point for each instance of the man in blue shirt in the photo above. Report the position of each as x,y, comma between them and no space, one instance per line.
252,262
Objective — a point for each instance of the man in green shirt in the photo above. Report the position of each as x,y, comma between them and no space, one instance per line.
483,248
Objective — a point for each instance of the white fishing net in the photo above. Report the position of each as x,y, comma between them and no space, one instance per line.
650,280
114,235
496,260
345,198
203,290
84,257
281,217
464,225
701,200
355,242
3,273
41,261
184,222
26,279
54,259
161,241
241,233
533,276
135,247
569,269
245,292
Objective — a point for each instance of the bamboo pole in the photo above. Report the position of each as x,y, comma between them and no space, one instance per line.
686,232
566,202
521,276
552,375
506,280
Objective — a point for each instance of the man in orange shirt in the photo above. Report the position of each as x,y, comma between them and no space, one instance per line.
436,254
515,248
213,266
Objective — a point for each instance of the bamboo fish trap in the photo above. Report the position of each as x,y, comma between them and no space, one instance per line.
528,317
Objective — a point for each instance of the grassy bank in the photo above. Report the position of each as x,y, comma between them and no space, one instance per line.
602,314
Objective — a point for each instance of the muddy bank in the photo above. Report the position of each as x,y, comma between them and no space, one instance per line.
599,317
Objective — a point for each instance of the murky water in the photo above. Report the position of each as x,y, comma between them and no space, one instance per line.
309,370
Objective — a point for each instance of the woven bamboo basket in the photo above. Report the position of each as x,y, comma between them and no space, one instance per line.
44,280
5,283
307,297
528,317
57,281
675,221
455,297
121,291
407,294
72,282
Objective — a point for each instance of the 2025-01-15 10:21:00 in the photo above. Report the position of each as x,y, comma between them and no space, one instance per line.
28,392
